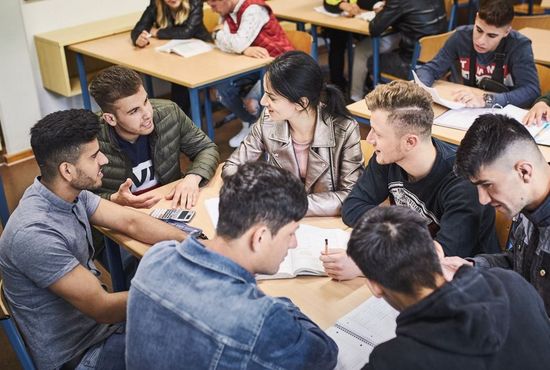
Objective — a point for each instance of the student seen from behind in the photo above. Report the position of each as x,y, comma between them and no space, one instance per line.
481,319
203,294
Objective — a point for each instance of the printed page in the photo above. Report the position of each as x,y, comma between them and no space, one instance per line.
371,323
435,95
212,209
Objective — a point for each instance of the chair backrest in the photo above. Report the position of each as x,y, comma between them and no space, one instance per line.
544,78
533,21
210,19
367,149
300,40
15,339
430,46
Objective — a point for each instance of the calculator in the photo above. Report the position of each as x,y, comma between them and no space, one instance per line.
181,215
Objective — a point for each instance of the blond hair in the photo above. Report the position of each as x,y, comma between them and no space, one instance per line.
163,10
409,106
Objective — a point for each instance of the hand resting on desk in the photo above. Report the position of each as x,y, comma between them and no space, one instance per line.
539,113
472,98
338,265
256,52
186,192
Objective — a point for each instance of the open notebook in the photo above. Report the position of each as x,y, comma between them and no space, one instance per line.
185,48
304,259
358,332
463,118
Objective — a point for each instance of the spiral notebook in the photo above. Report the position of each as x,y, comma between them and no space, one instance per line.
358,332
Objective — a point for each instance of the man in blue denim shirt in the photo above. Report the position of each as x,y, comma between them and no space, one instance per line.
196,304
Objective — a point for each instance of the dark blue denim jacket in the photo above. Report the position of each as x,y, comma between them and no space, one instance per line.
192,308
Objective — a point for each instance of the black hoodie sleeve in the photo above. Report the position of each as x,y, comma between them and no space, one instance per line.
146,21
370,190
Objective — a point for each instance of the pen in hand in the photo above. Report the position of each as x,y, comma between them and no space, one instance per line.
326,246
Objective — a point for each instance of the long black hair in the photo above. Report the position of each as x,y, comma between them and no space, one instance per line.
295,75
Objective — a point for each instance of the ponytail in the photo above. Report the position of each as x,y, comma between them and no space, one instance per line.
334,103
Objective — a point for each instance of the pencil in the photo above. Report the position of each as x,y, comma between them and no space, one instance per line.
326,246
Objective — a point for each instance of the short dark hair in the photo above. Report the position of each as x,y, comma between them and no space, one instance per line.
393,247
57,138
112,84
259,193
497,13
295,75
486,141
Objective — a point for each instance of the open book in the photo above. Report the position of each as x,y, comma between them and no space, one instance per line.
435,95
462,119
358,332
185,48
304,259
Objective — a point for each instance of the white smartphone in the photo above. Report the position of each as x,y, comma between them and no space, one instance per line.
181,215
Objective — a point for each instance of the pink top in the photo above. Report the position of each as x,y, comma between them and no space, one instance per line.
302,155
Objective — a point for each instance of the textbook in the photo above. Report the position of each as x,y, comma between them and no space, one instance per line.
304,259
358,332
462,119
185,48
435,95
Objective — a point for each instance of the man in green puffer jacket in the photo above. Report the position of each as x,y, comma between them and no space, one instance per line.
143,140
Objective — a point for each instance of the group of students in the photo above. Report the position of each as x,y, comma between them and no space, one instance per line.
433,254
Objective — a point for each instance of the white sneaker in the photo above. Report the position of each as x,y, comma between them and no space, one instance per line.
236,140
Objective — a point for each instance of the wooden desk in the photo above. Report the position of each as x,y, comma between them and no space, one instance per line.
539,39
454,136
302,11
321,298
545,4
58,65
196,73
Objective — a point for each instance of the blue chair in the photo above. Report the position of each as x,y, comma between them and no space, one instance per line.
15,339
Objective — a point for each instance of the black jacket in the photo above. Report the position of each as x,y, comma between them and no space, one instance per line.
527,250
483,319
414,19
193,27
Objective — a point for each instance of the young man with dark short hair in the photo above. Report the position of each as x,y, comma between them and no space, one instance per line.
490,55
196,304
481,319
51,283
501,158
413,169
143,140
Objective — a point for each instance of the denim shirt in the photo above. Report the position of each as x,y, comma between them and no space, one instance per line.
192,308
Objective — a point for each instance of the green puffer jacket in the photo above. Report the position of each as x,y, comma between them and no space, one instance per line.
174,132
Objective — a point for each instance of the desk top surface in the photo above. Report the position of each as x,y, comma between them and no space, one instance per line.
539,39
191,72
303,11
321,298
450,135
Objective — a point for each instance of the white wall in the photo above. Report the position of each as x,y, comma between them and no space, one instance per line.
23,100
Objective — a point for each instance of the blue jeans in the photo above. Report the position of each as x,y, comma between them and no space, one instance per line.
230,96
106,355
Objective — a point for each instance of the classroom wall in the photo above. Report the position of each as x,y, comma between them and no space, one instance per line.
23,100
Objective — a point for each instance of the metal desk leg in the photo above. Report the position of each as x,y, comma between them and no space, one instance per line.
350,56
208,114
195,106
83,81
375,60
114,260
149,86
315,44
4,210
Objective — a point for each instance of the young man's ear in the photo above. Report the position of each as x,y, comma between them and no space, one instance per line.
524,170
410,142
109,118
259,234
375,288
66,171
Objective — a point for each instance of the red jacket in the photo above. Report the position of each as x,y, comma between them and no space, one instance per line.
271,37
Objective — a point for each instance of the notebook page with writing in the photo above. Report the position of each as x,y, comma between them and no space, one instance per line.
185,48
358,332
